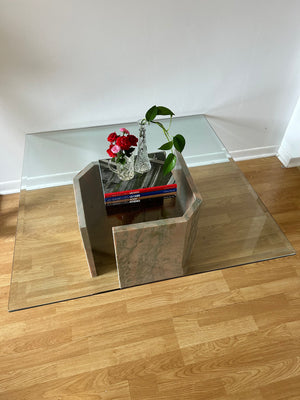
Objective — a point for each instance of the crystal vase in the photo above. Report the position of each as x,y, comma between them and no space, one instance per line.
124,171
142,162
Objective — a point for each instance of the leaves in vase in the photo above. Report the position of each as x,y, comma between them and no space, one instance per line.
167,146
169,164
128,152
120,158
179,142
151,113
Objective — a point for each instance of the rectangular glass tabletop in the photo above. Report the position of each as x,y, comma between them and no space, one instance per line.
49,259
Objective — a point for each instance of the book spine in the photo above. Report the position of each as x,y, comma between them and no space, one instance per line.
139,199
142,190
140,195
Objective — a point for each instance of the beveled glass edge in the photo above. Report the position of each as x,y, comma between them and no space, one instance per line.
19,231
218,137
152,283
106,125
264,207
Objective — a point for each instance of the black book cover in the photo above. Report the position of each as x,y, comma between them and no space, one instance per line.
151,181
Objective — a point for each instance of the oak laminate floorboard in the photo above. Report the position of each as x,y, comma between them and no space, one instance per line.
49,260
231,334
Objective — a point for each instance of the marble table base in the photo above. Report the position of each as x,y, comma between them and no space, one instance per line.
153,251
146,251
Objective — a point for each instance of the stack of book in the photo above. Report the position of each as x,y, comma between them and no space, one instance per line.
151,185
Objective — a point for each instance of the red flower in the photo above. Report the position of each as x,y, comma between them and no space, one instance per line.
124,130
112,137
109,152
123,142
120,143
133,140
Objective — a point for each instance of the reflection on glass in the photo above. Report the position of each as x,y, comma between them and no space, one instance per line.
49,260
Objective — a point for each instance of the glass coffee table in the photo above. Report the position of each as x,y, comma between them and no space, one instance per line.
50,259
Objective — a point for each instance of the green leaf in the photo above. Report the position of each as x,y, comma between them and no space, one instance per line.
120,158
167,146
169,164
129,151
164,111
159,124
151,113
179,142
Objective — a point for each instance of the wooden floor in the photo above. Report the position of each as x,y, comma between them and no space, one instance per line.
49,260
225,335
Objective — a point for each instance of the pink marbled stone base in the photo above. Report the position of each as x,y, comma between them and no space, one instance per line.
153,251
157,250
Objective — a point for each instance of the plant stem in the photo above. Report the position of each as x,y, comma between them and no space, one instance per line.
167,134
170,122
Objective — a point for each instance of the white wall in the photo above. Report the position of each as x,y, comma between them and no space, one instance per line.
289,150
74,63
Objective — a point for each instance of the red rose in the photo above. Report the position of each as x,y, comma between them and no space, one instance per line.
123,142
133,140
124,130
112,137
109,152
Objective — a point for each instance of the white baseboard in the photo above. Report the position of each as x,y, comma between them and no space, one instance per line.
10,187
41,182
38,182
205,159
192,161
256,152
294,162
286,159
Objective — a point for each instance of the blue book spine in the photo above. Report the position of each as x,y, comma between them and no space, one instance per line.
138,196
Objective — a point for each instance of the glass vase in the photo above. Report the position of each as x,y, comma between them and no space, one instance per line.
142,162
124,171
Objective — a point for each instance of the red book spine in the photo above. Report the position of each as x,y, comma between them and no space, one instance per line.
142,190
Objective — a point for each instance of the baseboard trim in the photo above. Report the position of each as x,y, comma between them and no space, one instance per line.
294,162
256,152
45,181
286,159
192,161
206,159
10,187
38,182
